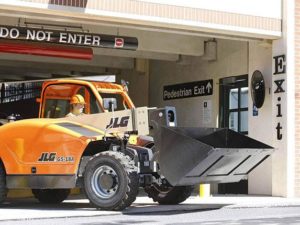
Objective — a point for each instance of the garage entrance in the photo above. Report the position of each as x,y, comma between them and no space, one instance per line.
57,41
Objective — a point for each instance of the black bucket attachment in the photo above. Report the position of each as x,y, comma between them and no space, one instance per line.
190,156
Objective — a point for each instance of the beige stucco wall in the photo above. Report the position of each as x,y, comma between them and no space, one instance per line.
260,127
138,86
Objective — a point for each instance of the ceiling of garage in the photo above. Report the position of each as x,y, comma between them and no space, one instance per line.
153,45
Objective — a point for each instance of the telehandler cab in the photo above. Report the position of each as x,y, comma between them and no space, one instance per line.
53,154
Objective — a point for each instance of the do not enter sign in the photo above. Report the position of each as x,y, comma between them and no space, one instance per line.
119,42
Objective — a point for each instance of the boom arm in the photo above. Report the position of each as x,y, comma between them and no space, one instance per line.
117,122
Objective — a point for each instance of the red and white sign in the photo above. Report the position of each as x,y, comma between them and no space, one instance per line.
119,42
25,34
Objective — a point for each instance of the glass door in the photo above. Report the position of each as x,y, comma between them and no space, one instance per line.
234,103
234,115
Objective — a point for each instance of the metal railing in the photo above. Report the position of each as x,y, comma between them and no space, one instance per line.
12,92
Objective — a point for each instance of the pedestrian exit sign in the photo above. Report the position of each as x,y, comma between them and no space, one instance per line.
188,90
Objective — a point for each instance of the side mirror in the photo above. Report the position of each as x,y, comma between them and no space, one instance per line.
125,85
110,104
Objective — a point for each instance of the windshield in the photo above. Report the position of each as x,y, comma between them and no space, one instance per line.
56,103
121,103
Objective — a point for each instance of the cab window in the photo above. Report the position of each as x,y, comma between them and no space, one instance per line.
57,100
121,104
56,108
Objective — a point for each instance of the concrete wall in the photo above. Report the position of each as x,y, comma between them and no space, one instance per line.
138,86
260,127
244,18
297,99
284,176
232,60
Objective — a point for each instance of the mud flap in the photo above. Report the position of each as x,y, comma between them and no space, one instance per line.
189,156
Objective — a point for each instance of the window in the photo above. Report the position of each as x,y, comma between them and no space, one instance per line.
234,103
56,108
57,100
121,104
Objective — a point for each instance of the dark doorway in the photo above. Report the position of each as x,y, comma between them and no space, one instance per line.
233,113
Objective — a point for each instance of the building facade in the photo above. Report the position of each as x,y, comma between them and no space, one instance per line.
159,46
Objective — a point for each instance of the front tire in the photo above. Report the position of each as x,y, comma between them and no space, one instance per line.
3,189
51,196
167,195
111,181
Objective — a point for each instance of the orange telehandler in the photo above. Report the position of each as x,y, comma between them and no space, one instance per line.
53,154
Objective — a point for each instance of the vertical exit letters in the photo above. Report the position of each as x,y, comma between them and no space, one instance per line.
280,68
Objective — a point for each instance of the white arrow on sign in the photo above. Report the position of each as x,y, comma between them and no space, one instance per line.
208,87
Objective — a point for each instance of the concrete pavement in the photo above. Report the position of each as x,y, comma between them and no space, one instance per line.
23,209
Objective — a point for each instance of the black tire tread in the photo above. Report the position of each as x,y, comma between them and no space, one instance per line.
175,196
132,178
3,189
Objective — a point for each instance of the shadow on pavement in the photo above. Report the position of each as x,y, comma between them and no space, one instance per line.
155,209
83,205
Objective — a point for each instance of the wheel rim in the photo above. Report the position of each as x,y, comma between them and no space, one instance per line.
105,182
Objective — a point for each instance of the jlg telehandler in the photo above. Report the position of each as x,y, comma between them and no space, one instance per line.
53,154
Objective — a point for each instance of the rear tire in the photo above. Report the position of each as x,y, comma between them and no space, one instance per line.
111,181
51,196
166,195
3,189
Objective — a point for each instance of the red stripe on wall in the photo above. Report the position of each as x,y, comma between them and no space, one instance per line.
52,50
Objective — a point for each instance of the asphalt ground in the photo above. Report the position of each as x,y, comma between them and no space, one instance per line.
79,207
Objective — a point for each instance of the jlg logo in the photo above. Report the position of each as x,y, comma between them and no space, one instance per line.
47,157
118,122
52,157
